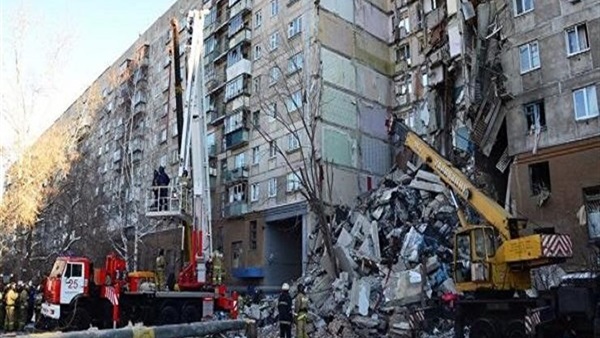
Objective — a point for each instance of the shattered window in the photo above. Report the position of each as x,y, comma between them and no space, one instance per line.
592,209
539,178
536,116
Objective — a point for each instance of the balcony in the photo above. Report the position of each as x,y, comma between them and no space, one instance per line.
237,138
240,102
235,209
434,17
215,80
244,35
235,175
212,150
243,66
216,113
240,6
116,156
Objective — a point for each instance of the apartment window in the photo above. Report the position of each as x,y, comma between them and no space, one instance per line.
272,187
163,135
234,56
257,52
235,24
539,178
256,84
234,122
577,39
257,19
174,156
591,200
293,182
253,235
295,27
236,254
254,192
274,75
404,27
237,193
272,110
174,130
536,117
529,56
585,102
274,41
293,142
295,63
256,119
403,53
256,155
239,160
272,149
424,78
234,88
274,7
211,44
523,6
294,102
163,160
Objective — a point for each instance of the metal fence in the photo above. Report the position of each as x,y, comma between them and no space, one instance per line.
199,329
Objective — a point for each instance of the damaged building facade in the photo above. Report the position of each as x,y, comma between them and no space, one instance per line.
552,72
267,60
485,83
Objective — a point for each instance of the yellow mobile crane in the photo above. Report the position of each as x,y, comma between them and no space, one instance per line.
492,261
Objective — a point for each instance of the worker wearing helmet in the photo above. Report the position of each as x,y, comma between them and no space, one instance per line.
284,307
160,270
301,310
11,301
217,266
23,304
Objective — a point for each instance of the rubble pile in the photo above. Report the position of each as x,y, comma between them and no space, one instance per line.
393,251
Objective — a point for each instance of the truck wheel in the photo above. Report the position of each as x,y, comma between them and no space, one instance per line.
168,315
81,319
483,328
515,329
190,314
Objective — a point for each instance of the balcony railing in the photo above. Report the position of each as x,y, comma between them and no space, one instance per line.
235,209
212,150
237,138
216,113
239,37
243,66
240,6
235,175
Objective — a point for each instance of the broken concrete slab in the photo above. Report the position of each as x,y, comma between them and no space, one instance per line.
345,239
432,264
427,186
364,291
344,259
429,177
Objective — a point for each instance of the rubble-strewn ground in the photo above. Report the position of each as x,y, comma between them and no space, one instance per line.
394,253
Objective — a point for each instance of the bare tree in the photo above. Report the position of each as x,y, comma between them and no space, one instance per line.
127,211
290,96
35,180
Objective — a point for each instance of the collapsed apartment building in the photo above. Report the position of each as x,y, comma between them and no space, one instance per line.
506,90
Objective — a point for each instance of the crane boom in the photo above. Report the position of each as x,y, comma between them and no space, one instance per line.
491,211
492,256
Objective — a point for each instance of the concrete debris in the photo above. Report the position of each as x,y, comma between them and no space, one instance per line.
394,251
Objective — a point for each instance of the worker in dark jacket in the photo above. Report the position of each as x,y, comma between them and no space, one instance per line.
23,305
284,306
163,182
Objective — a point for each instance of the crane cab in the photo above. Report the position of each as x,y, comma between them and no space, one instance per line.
169,201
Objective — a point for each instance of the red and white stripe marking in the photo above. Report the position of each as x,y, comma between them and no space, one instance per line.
557,246
416,318
531,321
111,294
